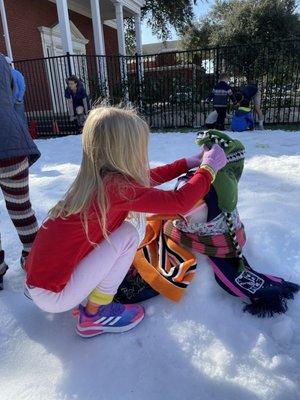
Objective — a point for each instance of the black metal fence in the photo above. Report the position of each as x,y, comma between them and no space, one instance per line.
169,89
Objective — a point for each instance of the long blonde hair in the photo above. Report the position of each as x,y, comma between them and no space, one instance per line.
115,141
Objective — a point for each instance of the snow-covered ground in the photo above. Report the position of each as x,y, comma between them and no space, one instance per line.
205,347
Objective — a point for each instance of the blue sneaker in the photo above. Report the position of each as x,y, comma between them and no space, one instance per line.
112,318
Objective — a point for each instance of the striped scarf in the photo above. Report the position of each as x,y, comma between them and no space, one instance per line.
165,263
214,245
160,266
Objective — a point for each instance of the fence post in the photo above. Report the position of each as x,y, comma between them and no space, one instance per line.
218,62
138,80
124,78
69,64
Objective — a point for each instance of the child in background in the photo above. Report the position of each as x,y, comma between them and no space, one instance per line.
250,92
77,100
221,95
243,119
19,90
94,246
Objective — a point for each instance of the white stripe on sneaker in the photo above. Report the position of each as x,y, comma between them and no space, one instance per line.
108,320
114,321
100,320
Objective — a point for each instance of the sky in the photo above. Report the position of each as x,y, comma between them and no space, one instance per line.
200,9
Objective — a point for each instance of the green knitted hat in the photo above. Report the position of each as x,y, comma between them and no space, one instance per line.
226,182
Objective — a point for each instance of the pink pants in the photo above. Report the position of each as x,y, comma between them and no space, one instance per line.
103,268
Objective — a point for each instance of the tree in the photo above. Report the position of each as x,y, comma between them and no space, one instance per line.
238,22
244,23
161,16
198,34
251,21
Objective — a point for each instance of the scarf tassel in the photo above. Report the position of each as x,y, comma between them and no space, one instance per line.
274,301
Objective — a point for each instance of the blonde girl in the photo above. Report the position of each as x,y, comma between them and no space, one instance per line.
85,247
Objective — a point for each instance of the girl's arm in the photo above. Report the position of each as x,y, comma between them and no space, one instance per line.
167,172
151,200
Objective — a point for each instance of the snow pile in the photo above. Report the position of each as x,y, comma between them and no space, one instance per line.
205,347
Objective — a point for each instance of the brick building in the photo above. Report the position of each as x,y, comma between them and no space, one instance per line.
77,26
39,30
33,25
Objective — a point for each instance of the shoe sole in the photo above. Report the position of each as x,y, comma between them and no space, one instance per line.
91,331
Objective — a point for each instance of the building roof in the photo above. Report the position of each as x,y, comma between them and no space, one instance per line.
161,47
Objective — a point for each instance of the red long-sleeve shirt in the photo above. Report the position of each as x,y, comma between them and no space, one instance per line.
62,243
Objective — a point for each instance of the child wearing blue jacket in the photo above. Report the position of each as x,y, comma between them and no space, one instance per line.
19,88
221,95
243,119
252,93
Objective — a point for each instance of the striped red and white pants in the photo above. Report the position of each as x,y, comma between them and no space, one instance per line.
14,175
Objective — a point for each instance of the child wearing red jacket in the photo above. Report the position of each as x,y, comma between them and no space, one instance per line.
94,246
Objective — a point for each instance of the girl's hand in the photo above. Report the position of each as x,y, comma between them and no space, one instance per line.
194,161
215,158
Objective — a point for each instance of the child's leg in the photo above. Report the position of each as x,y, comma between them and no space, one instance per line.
99,274
210,126
15,189
221,117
